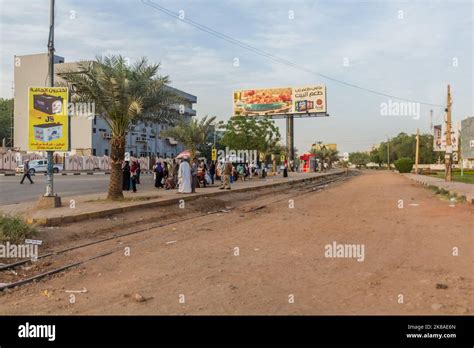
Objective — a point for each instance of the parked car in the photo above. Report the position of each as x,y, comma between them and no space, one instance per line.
39,166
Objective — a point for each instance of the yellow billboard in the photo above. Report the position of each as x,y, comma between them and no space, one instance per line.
48,121
280,101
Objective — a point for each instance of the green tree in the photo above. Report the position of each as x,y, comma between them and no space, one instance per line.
359,158
122,93
375,156
192,134
6,108
404,146
250,133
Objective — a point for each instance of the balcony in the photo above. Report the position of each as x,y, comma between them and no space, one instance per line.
141,140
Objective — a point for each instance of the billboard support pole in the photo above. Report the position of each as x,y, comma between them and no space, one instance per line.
290,142
50,199
417,152
49,182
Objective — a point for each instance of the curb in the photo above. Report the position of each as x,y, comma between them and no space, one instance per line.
55,221
452,192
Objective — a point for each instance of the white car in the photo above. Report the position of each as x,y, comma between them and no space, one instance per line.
39,166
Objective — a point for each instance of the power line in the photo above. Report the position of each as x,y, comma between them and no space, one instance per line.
272,56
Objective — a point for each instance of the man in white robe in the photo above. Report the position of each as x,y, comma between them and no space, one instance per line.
184,177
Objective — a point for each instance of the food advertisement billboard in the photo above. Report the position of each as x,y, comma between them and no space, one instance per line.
280,101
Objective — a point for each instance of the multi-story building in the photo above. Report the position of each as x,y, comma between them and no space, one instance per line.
90,134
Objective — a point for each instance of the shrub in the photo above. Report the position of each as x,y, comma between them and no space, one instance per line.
14,230
404,165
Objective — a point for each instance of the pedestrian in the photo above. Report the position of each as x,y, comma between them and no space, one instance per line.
212,171
194,175
227,173
285,169
168,176
219,170
175,170
184,177
26,172
166,172
241,171
247,170
159,175
264,170
138,172
202,169
133,175
126,176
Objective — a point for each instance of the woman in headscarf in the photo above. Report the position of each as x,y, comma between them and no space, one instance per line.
126,176
134,175
159,175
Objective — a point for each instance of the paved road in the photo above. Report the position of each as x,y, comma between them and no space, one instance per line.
11,192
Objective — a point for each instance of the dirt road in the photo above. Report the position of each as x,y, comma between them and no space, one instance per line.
274,260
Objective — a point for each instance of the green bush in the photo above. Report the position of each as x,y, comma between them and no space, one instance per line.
404,165
14,230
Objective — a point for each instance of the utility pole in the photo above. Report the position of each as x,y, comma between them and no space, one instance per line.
388,153
431,121
12,113
50,199
461,160
417,149
290,141
49,178
449,150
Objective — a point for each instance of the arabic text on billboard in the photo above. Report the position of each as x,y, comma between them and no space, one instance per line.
48,122
277,101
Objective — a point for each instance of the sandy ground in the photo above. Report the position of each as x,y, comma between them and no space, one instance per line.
193,267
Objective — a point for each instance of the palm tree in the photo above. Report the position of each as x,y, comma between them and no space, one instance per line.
326,154
192,133
122,93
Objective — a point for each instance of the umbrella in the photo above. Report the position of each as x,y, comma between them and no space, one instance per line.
185,154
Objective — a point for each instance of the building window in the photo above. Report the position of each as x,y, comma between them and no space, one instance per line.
106,152
93,130
95,120
94,152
